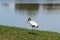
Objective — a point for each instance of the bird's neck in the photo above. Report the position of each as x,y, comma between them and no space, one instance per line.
28,21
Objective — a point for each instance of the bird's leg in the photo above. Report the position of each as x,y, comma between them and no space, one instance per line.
32,29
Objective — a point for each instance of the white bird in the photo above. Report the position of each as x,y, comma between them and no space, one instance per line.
32,23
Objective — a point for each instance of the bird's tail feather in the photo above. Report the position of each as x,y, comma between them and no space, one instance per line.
37,27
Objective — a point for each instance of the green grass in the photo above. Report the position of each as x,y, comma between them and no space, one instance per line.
15,33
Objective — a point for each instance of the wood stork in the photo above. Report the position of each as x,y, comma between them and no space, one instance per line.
32,23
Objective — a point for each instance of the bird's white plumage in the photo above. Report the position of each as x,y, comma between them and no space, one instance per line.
33,23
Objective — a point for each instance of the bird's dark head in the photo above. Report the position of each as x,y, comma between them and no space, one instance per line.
29,19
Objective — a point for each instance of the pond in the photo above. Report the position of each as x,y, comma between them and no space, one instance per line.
46,15
30,1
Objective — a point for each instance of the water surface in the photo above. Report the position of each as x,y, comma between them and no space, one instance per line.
46,15
30,1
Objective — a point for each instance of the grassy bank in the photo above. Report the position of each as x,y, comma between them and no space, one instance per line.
14,33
